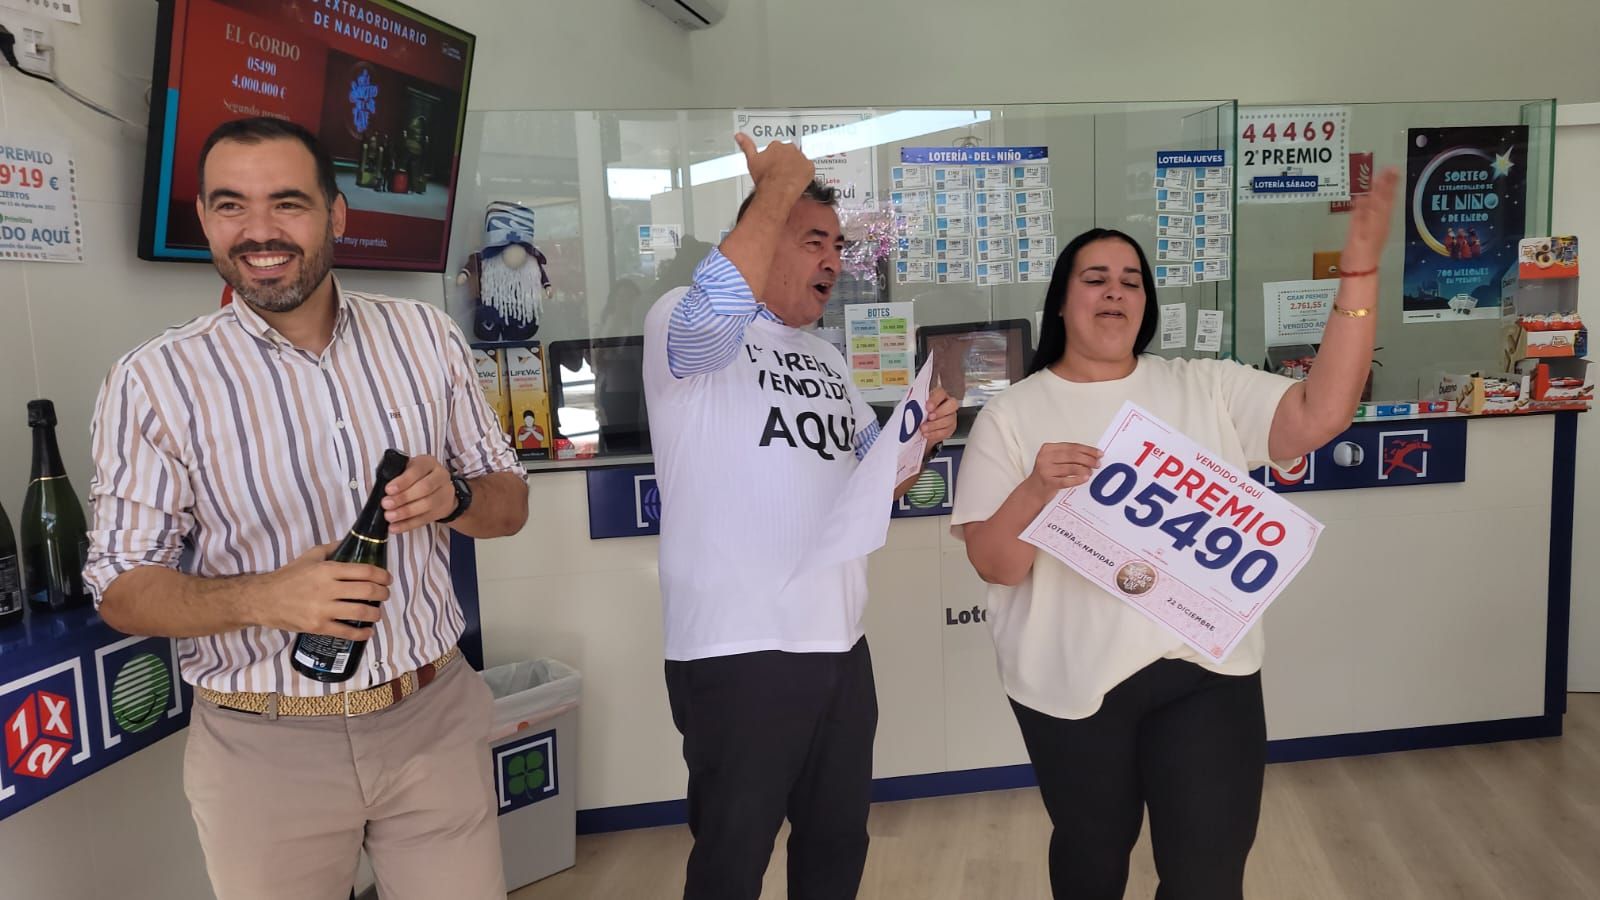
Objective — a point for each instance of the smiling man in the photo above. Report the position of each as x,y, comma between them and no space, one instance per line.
756,427
230,452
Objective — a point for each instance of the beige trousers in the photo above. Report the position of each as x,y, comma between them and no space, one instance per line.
285,805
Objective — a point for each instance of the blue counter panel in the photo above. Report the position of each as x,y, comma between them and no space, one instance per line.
625,501
76,697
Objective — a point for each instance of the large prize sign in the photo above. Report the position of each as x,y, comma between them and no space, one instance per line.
1186,539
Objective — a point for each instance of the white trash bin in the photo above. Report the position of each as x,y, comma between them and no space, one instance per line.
533,746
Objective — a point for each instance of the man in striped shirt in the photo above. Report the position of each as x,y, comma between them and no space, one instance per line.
231,454
756,427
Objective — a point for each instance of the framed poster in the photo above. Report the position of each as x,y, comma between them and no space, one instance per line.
1466,209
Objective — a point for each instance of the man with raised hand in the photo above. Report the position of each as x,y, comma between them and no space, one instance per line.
756,427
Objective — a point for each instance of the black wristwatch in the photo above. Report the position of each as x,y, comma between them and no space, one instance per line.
463,498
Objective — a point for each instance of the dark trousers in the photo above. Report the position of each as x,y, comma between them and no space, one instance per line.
1189,744
771,735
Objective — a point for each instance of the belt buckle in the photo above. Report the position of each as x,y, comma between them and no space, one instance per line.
346,697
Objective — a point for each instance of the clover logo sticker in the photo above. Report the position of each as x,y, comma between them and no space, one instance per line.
526,772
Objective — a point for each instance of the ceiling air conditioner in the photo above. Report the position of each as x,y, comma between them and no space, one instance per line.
691,13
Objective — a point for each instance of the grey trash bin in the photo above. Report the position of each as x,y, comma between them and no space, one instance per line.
533,747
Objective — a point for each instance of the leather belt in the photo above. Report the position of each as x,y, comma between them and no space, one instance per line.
344,703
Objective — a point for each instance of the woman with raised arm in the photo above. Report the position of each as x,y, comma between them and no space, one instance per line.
1117,713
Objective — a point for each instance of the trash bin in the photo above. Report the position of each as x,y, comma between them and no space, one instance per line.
534,761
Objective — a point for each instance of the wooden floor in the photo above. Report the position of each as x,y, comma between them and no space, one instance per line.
1518,821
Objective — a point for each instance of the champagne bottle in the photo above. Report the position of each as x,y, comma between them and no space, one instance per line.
55,543
333,659
397,168
11,606
380,173
364,167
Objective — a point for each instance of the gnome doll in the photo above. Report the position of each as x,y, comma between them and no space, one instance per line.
509,275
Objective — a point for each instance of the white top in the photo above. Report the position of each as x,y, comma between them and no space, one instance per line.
1062,641
750,457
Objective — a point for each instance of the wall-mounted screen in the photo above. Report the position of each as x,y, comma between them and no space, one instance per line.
382,85
975,361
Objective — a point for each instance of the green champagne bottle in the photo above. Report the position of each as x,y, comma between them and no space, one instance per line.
364,171
55,543
12,608
380,171
333,659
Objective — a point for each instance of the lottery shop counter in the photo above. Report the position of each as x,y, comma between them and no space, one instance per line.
1428,616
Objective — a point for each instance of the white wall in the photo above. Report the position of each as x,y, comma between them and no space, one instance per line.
1577,212
824,52
123,834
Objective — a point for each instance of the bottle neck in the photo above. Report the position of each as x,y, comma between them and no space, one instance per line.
46,454
371,524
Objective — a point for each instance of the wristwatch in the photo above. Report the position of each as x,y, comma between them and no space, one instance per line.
463,498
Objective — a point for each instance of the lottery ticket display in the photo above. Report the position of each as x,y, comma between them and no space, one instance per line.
992,212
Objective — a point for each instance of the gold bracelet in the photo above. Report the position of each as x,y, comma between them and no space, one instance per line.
1352,313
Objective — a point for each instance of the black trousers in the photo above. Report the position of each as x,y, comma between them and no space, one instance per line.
771,735
1188,743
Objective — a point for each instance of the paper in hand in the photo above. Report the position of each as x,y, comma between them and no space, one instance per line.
859,523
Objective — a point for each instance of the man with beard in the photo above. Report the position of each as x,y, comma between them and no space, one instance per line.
230,453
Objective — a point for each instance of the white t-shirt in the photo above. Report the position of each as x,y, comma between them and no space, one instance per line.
1063,641
750,460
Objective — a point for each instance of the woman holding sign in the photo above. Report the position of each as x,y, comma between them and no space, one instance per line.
1117,712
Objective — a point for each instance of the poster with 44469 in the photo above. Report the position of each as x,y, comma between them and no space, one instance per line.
1172,530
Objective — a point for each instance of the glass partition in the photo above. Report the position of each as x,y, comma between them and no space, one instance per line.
1291,242
626,203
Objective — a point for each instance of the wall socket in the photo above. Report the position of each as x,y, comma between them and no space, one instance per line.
30,33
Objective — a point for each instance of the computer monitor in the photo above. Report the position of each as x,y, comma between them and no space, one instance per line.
974,361
597,396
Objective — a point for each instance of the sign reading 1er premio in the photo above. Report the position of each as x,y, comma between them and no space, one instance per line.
879,339
1290,154
39,203
1186,539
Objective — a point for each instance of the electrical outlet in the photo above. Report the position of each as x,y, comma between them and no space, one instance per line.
59,10
30,33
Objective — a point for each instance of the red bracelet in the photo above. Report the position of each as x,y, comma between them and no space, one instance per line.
1346,273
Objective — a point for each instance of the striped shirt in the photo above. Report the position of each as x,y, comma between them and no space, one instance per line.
222,449
708,325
